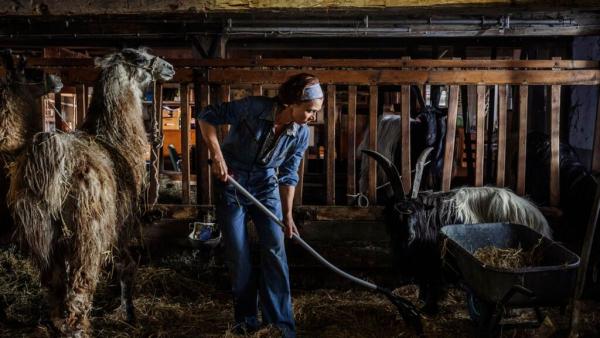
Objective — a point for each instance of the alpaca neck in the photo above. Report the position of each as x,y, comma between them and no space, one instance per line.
115,113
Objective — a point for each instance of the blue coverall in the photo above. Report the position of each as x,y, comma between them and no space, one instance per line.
250,118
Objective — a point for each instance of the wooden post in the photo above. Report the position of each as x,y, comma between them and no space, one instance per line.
81,93
523,99
225,97
554,146
450,138
480,152
330,150
58,120
185,142
372,186
203,181
502,112
405,140
351,181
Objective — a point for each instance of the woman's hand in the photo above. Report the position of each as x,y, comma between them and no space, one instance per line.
290,227
219,168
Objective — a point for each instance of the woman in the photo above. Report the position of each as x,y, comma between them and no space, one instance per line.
264,147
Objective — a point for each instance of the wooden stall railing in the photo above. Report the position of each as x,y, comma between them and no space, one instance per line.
349,75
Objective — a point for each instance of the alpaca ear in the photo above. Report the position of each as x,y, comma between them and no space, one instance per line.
98,61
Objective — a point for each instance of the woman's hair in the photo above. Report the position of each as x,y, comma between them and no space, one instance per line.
290,92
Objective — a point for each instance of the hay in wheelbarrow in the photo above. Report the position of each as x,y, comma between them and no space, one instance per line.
510,258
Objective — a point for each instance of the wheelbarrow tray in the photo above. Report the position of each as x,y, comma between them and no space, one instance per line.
551,282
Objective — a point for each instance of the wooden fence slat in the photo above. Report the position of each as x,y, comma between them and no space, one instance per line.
554,146
351,180
405,140
480,152
257,89
81,94
203,181
185,143
502,112
330,150
372,185
450,138
523,98
225,97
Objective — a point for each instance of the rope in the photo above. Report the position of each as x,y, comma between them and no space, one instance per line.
156,139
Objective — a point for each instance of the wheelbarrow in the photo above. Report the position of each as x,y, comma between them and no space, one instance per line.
492,291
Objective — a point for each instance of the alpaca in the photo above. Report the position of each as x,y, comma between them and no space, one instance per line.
77,197
20,119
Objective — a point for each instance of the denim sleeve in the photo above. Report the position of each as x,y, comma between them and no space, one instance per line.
225,113
288,171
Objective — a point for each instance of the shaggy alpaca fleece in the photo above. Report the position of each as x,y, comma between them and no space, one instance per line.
490,204
77,196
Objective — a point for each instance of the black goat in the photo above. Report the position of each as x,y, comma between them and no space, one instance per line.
427,129
413,224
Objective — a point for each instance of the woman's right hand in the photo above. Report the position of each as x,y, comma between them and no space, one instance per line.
219,168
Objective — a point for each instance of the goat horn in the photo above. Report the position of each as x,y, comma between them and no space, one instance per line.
390,171
419,171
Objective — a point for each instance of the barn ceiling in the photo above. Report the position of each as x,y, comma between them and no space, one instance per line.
209,24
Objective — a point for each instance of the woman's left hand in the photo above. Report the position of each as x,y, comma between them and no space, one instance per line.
290,227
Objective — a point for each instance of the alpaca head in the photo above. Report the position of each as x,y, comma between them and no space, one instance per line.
138,65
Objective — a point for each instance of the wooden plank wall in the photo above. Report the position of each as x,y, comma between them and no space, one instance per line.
223,73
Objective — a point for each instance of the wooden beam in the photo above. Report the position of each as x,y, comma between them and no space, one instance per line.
204,182
450,138
480,151
405,140
81,94
346,63
372,185
596,146
351,180
185,142
523,99
502,113
395,77
555,147
330,150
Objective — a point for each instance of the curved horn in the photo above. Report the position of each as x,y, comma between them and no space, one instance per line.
390,171
419,171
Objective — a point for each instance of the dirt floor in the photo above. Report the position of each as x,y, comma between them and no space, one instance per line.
179,297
